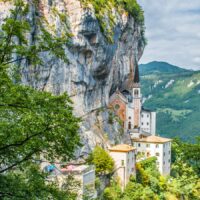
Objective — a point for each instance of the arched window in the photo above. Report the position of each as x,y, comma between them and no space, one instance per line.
136,93
117,106
129,125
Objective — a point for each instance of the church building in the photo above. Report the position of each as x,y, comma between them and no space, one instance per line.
140,123
127,104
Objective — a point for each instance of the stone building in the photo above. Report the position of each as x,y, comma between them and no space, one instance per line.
84,176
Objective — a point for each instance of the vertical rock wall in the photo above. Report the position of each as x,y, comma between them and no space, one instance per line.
96,67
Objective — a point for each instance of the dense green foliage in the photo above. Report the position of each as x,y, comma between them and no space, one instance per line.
35,126
176,102
112,192
101,159
185,174
184,182
105,15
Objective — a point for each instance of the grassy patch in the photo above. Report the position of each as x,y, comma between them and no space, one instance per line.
176,115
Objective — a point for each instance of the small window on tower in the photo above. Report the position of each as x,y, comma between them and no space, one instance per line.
136,93
129,117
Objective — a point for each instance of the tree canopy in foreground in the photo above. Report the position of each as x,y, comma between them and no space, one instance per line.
35,126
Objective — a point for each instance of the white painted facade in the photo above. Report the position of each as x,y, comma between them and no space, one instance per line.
162,151
148,122
124,164
146,119
129,116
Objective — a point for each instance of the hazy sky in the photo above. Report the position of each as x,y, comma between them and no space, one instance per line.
172,31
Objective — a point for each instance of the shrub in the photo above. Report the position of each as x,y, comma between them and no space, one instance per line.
102,160
110,118
113,192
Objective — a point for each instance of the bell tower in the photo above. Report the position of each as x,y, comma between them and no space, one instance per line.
136,92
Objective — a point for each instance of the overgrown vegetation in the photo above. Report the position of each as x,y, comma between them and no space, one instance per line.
105,13
113,191
111,117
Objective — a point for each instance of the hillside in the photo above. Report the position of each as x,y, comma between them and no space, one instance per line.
175,94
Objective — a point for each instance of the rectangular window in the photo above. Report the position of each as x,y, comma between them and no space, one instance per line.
138,144
157,145
169,152
122,162
157,154
169,160
147,145
164,153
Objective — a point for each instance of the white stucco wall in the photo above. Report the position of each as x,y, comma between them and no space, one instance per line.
153,123
124,172
166,158
161,151
148,122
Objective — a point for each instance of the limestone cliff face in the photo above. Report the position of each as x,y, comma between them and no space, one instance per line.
96,67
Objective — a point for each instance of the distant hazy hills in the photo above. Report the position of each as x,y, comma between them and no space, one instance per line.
175,94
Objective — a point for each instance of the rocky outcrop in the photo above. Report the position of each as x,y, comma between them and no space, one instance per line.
96,67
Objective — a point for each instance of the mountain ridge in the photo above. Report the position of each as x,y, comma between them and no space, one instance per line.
161,66
175,96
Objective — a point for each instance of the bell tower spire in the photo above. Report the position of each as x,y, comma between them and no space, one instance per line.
136,75
136,92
